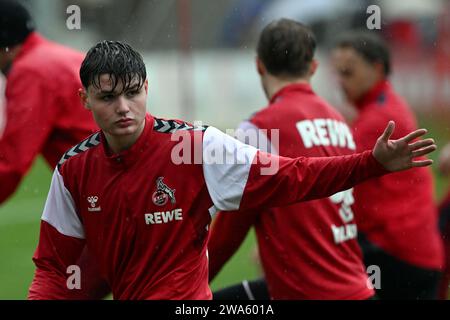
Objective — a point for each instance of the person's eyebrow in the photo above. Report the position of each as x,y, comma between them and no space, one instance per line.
132,87
103,92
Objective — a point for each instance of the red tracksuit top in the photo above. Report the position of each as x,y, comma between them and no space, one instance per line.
144,214
308,250
44,114
396,212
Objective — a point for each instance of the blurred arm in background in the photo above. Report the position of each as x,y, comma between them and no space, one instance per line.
221,246
444,223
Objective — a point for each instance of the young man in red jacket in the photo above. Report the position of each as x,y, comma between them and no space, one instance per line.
396,215
308,250
140,193
43,113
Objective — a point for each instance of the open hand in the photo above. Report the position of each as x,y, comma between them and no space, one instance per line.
397,155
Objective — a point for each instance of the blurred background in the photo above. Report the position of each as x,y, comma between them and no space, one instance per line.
200,58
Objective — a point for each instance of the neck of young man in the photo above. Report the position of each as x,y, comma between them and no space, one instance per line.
117,144
274,84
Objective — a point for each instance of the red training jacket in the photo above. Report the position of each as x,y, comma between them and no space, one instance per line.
396,212
308,250
44,114
144,213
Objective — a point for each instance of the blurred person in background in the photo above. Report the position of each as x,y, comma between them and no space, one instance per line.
43,114
396,216
444,222
308,250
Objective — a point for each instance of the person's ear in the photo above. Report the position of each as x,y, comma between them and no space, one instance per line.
313,67
82,93
146,86
260,67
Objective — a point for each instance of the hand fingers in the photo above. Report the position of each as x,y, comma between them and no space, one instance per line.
420,144
423,151
422,163
414,135
388,131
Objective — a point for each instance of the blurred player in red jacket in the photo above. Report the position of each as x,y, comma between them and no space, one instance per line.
315,254
396,215
140,192
43,112
444,223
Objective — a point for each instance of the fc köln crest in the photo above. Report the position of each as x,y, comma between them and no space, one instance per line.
163,193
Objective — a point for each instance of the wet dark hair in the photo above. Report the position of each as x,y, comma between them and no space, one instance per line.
286,48
117,59
368,45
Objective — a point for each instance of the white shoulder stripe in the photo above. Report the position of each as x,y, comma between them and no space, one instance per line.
226,166
59,210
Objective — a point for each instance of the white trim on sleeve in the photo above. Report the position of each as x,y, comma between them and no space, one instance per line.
226,166
59,210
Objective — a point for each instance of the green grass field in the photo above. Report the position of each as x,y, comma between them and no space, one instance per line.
19,228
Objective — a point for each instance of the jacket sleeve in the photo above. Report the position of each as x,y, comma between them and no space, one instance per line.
229,229
61,242
239,176
28,124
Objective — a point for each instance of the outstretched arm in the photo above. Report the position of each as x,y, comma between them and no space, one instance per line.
256,179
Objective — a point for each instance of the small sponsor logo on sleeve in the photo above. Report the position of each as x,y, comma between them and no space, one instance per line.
93,204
